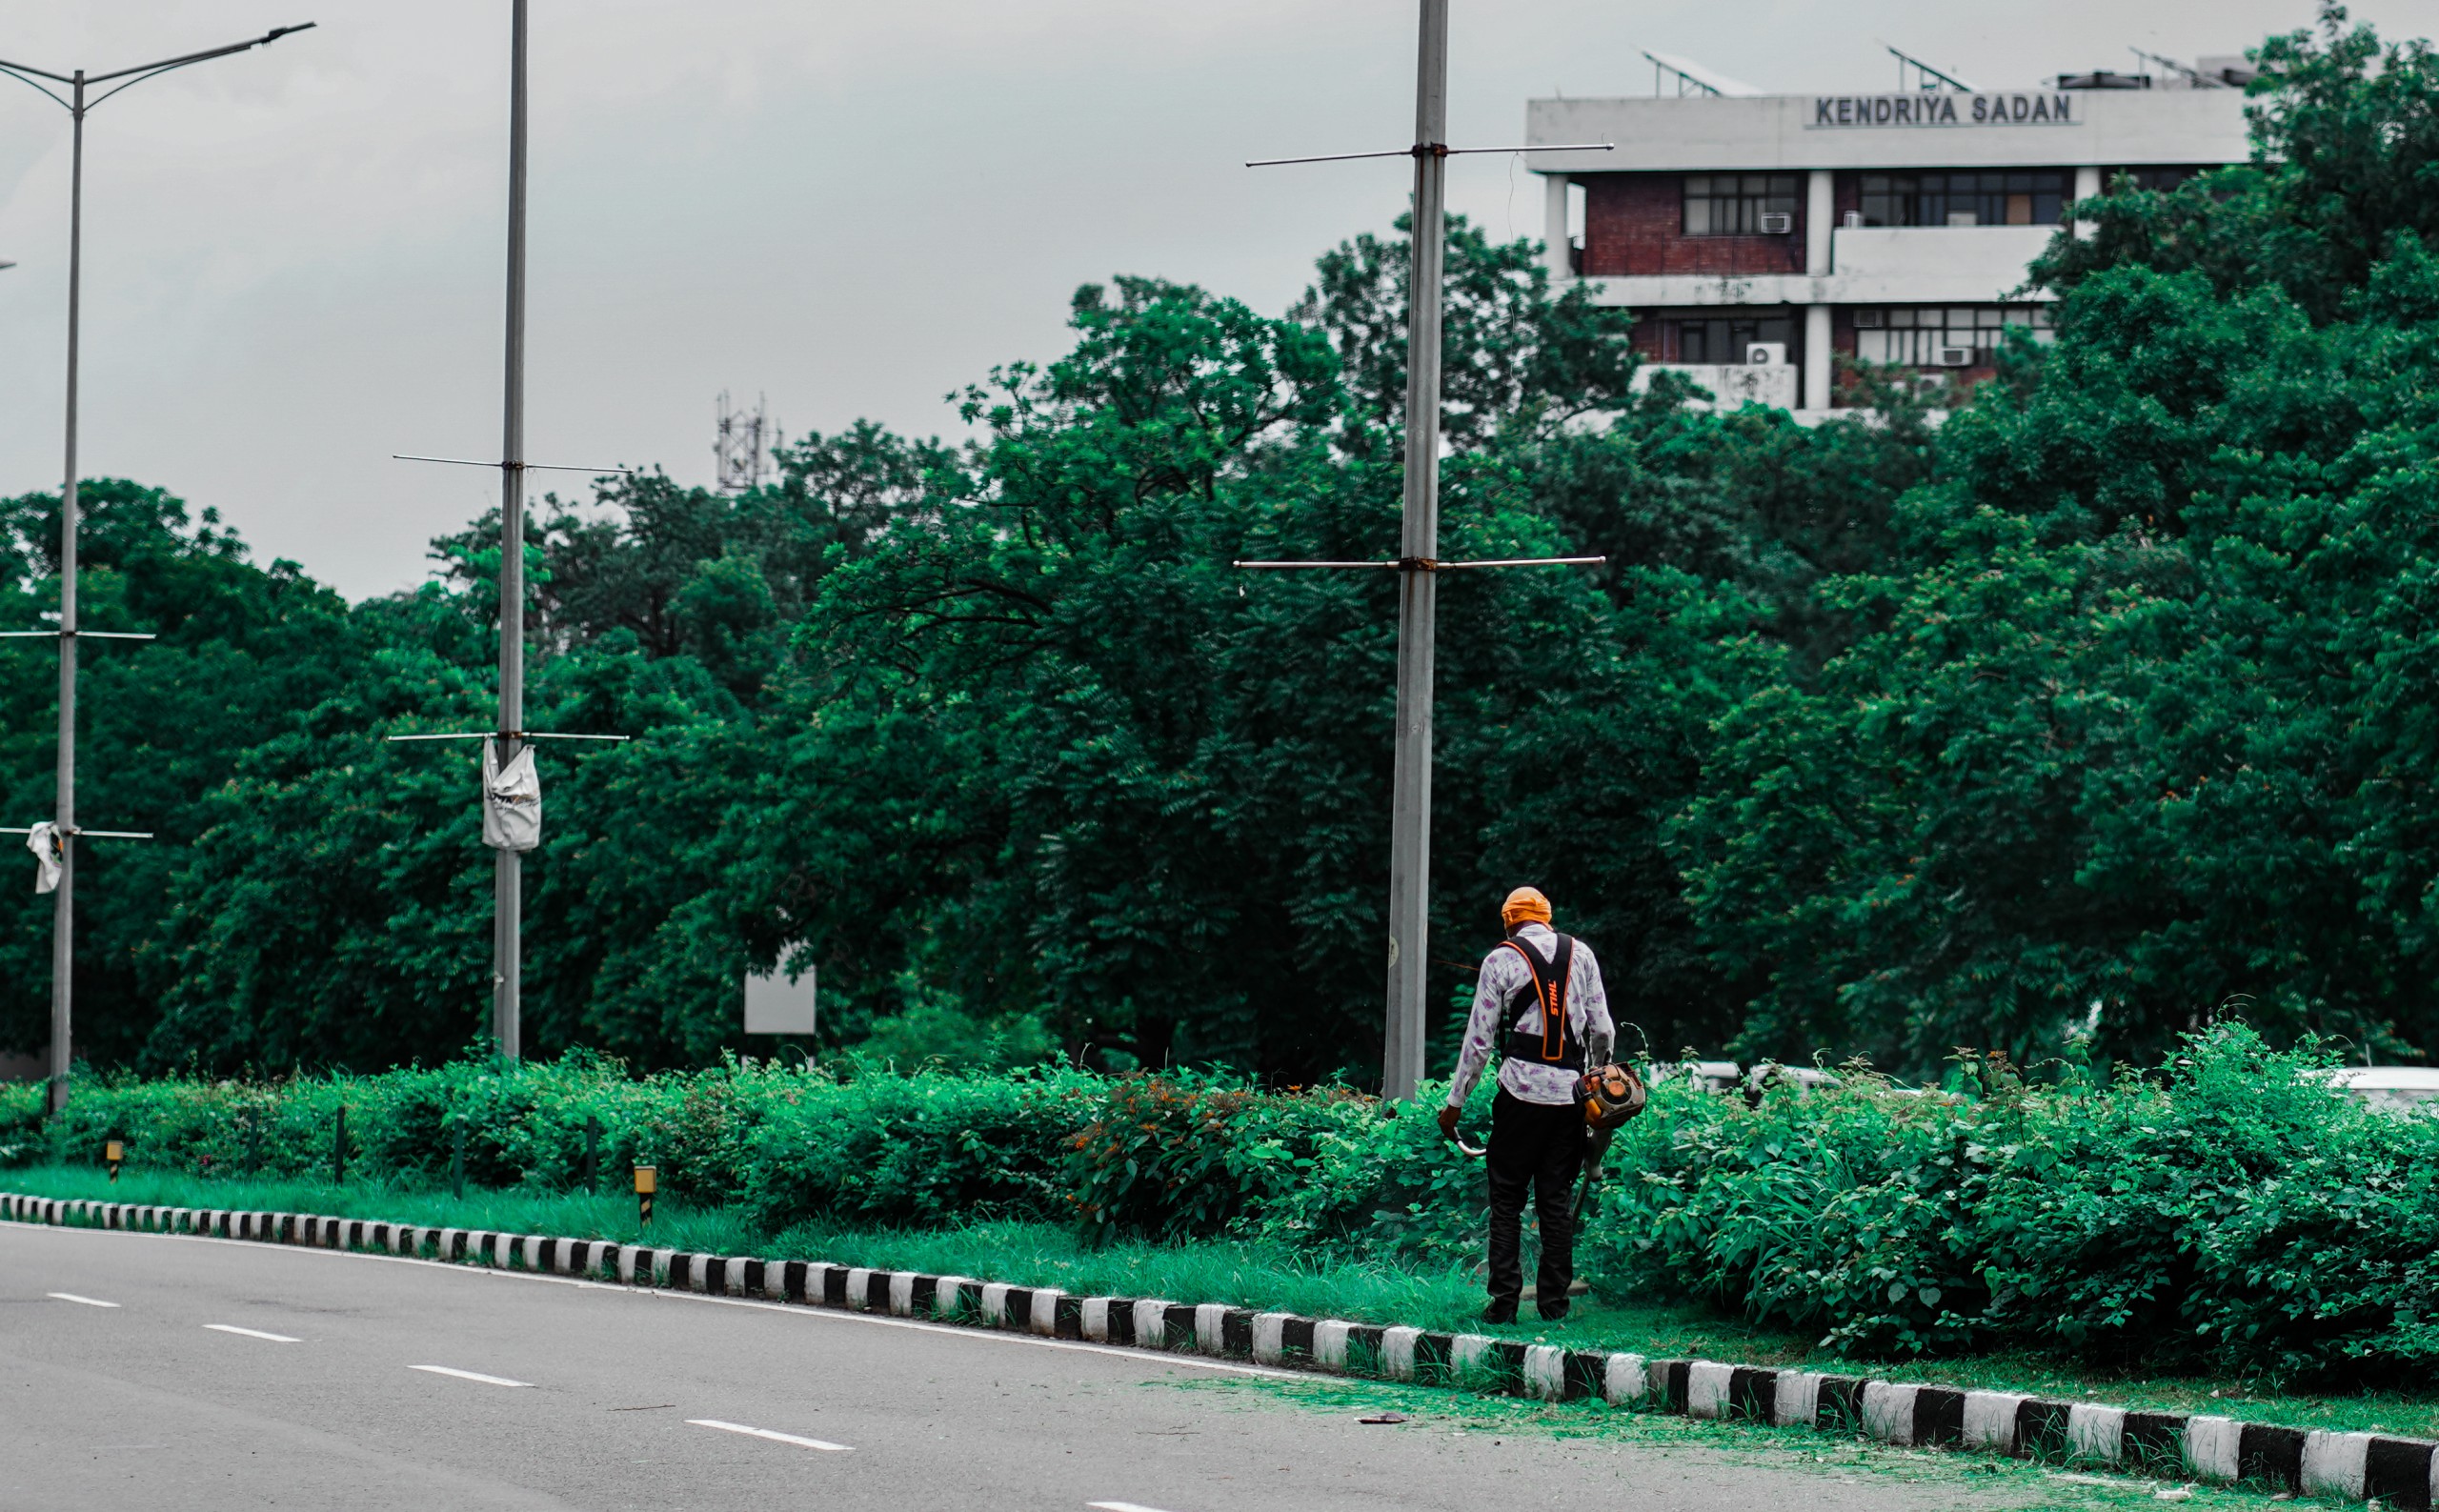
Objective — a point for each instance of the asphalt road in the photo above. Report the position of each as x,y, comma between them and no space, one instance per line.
227,1375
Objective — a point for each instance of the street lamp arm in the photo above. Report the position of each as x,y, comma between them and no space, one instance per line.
264,40
130,78
28,67
18,72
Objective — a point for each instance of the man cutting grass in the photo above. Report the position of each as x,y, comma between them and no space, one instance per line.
1539,1003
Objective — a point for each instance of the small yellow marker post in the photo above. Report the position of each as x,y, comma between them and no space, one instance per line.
113,1152
647,1181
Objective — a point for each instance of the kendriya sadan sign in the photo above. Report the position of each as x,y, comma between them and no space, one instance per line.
1942,109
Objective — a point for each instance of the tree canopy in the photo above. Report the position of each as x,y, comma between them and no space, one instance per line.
2098,710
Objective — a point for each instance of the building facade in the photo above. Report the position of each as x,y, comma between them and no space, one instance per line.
1759,238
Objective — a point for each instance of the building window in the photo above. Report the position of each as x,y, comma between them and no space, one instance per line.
2158,179
1931,337
1733,203
2022,197
1724,339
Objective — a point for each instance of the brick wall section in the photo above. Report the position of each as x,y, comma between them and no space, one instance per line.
1961,381
1633,224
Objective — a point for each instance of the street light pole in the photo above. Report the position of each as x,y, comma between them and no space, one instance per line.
63,916
1417,593
63,900
1419,565
507,904
508,876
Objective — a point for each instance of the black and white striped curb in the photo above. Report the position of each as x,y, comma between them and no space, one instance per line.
2358,1467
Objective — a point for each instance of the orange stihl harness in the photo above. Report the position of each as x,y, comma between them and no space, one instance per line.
1554,1043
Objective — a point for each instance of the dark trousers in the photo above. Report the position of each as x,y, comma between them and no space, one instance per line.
1541,1147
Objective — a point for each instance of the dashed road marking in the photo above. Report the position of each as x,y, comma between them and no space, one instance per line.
767,1433
251,1333
71,1297
471,1375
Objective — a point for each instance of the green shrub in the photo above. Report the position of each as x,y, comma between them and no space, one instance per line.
1185,1155
2227,1209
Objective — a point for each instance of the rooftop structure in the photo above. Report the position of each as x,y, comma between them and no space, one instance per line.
1760,238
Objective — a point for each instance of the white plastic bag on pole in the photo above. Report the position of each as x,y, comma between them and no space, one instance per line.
511,799
43,842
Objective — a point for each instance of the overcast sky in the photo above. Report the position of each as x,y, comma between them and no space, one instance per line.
293,256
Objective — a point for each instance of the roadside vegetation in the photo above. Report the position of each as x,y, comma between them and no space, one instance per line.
2228,1218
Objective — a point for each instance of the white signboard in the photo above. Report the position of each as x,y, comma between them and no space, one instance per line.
774,1005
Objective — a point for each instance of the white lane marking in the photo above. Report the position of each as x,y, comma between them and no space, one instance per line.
766,1433
1121,1507
833,1315
471,1375
71,1297
251,1333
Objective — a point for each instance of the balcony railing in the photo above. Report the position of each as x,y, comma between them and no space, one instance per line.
1732,384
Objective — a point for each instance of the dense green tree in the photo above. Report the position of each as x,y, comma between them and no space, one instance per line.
242,652
2136,734
2094,712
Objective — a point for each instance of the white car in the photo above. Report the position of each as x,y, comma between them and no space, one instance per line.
1728,1076
2401,1088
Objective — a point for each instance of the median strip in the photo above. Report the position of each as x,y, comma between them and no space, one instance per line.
2398,1473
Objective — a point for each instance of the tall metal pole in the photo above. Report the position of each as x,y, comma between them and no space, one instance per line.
63,903
1410,799
63,914
507,878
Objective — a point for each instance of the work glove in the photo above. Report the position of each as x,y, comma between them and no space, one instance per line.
1448,1121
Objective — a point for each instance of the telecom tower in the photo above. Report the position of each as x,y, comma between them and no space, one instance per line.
743,451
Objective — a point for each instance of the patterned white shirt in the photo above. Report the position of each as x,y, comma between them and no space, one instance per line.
1503,977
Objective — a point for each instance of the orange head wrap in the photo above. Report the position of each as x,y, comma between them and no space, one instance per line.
1525,906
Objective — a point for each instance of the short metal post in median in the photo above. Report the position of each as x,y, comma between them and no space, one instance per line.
114,1152
592,1156
457,1161
339,1148
647,1181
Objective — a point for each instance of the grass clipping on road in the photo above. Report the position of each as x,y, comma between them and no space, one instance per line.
1579,1427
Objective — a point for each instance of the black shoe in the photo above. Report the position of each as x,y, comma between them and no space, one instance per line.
1552,1312
1502,1310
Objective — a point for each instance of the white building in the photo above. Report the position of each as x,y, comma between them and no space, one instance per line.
1890,228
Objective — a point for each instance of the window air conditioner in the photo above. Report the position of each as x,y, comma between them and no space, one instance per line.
1954,357
1766,354
1868,320
1776,222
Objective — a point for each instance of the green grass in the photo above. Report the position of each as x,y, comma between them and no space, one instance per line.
1253,1275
